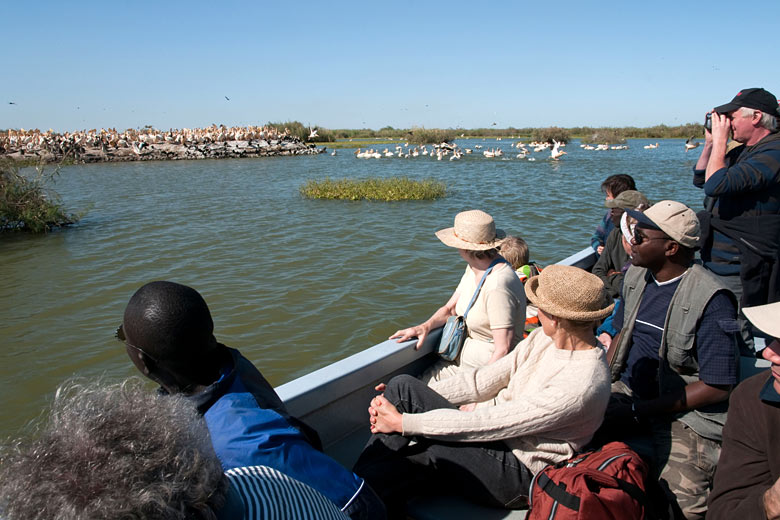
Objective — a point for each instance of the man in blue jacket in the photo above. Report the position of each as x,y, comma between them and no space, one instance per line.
168,333
741,226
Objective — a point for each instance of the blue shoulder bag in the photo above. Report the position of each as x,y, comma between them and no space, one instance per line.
455,331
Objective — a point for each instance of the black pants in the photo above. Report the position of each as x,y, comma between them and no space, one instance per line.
397,469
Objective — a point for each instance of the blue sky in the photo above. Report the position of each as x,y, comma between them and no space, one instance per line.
81,65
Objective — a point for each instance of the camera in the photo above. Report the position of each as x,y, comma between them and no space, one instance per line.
708,122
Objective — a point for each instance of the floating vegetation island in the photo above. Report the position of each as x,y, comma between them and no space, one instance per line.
390,189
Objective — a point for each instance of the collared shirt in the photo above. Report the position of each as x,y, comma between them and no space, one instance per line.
714,341
768,392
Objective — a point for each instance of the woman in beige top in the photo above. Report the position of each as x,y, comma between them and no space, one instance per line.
495,321
538,405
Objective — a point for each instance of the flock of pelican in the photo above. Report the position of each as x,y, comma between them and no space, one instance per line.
524,150
31,140
454,152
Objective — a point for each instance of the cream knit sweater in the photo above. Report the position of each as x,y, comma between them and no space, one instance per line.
543,402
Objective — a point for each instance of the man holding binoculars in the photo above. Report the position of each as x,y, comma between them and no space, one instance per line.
741,225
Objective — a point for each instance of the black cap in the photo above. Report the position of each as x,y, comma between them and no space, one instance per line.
756,98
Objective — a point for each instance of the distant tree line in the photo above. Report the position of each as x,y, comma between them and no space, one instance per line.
421,135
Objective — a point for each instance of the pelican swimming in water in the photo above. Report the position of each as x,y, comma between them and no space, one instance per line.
651,146
555,153
690,144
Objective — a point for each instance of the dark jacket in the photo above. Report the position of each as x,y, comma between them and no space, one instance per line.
750,459
742,223
758,241
613,258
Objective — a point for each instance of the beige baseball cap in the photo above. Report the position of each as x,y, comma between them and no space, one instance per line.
673,218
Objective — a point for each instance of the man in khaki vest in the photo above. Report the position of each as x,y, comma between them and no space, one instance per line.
675,360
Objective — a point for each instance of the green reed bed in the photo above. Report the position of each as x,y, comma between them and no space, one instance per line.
390,189
26,202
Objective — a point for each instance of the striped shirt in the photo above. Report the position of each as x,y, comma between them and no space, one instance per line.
714,343
270,494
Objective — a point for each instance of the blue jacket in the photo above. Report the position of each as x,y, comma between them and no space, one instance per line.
249,426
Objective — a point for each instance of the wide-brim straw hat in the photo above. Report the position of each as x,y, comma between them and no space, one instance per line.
765,317
570,293
474,230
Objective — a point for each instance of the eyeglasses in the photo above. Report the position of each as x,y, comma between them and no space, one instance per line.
639,238
120,335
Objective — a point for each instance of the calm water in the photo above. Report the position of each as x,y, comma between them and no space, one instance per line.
295,284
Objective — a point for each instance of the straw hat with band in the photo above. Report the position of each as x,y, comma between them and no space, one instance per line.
569,292
765,317
474,230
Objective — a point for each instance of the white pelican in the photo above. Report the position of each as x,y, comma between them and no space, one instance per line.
690,144
651,146
312,133
555,153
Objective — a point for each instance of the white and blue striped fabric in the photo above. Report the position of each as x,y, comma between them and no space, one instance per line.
269,494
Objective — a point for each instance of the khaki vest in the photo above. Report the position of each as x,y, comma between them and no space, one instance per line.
678,366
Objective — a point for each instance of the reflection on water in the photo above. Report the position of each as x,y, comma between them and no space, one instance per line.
295,284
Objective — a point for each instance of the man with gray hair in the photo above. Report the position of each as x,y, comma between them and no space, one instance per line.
110,451
741,226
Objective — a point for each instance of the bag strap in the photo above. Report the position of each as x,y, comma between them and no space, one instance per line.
558,493
495,262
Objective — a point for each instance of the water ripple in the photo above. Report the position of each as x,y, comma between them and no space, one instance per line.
294,283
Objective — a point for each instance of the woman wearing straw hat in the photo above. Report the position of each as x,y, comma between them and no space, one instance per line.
495,321
538,405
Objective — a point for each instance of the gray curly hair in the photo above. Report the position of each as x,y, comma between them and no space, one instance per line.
113,451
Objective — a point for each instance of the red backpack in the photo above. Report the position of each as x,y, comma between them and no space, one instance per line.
608,483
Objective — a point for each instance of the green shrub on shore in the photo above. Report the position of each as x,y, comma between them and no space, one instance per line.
422,135
296,129
550,134
605,136
391,189
26,203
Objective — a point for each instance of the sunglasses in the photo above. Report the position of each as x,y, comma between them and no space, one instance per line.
639,238
119,334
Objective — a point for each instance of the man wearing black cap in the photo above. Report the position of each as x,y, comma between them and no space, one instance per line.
741,227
